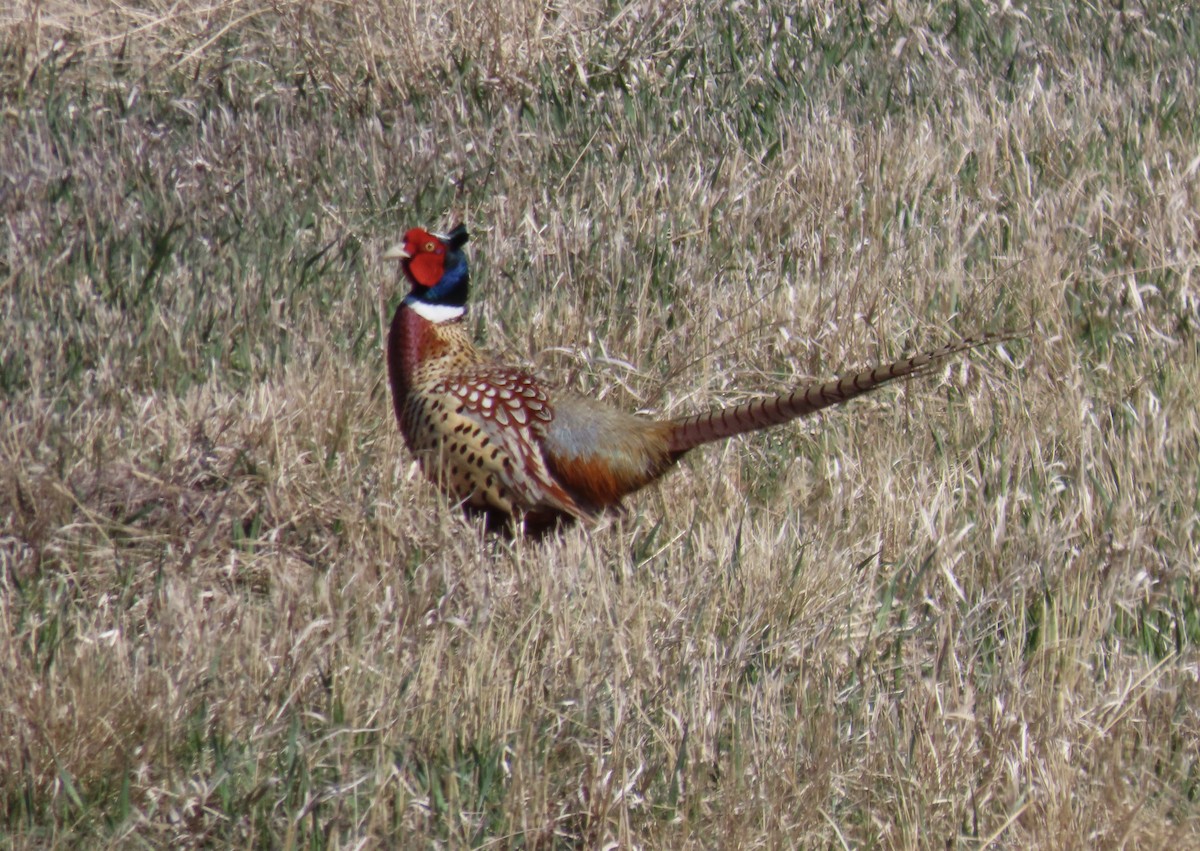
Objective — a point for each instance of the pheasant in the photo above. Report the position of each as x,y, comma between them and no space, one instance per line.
504,444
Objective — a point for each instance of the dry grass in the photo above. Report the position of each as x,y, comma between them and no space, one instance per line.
958,614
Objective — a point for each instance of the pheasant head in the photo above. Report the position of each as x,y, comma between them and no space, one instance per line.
435,265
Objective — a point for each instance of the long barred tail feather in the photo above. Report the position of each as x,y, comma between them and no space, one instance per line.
689,432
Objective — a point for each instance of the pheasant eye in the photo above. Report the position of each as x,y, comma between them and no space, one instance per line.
429,247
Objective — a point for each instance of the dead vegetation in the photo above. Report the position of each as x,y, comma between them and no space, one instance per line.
958,614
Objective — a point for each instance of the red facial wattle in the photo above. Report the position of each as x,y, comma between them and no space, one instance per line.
427,255
426,268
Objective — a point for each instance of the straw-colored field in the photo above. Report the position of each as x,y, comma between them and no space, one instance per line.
959,613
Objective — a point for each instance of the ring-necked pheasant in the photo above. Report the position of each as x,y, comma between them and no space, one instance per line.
502,443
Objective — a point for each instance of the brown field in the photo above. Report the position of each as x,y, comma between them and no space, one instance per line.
959,613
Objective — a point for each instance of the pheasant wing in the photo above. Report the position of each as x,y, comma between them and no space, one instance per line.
508,412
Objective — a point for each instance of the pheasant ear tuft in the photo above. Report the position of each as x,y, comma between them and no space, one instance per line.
457,237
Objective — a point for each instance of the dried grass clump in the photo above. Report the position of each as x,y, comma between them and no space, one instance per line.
344,47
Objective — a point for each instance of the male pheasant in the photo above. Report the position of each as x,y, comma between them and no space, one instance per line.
502,443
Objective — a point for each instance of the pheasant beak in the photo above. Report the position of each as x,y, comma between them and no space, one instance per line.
397,252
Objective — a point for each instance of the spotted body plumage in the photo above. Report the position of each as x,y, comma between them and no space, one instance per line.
476,430
498,441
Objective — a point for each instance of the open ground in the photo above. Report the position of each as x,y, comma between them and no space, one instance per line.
959,613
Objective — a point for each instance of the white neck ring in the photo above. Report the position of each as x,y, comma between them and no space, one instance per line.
435,313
